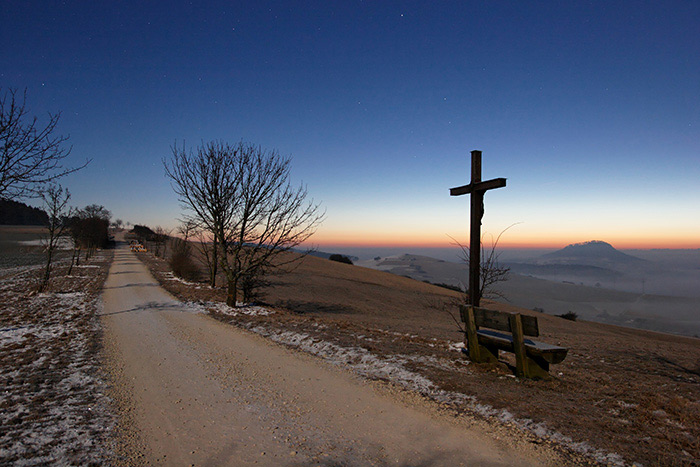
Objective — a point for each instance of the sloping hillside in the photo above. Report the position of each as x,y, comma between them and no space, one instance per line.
604,401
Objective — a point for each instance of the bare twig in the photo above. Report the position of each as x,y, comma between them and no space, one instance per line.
31,155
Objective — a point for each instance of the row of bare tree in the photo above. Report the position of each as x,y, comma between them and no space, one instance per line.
239,197
31,154
87,229
31,162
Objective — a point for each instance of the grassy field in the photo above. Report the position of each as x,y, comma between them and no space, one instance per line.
19,246
53,408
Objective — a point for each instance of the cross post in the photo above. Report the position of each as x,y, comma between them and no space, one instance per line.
476,188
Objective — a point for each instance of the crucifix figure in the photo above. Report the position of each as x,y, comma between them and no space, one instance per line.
476,188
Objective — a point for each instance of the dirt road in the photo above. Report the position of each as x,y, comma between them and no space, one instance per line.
205,393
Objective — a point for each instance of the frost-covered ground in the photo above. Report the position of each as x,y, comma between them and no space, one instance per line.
397,369
53,408
323,341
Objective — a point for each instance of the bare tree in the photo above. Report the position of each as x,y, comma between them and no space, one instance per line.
75,231
30,154
56,203
89,229
181,260
242,196
187,228
209,251
160,241
491,271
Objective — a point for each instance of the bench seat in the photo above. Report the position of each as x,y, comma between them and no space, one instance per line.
532,358
552,354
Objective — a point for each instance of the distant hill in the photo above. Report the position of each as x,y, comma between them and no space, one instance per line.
594,253
16,213
143,232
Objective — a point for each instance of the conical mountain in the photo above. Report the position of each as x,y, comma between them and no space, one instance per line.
593,253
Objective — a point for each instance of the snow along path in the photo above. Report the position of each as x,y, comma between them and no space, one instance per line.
203,392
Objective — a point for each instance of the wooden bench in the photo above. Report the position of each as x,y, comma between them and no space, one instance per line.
532,358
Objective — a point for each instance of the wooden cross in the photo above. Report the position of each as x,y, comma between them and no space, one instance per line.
476,188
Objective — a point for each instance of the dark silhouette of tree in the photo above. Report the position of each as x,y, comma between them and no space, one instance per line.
56,203
209,251
242,197
89,229
187,228
96,231
30,154
340,258
491,271
17,213
160,241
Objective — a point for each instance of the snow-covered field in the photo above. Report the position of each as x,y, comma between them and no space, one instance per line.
54,410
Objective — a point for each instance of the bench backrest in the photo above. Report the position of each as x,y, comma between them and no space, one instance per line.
500,320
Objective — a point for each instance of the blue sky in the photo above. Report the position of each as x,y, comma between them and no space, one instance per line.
590,109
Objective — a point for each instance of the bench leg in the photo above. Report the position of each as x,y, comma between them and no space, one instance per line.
537,368
522,369
477,353
488,353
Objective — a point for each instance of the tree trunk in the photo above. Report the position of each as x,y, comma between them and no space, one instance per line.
232,292
72,260
47,271
215,264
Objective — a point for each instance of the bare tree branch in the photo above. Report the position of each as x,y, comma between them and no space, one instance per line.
56,203
30,154
242,197
491,272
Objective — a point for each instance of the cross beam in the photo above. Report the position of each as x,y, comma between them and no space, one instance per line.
476,189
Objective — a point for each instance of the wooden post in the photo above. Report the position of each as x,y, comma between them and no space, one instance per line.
476,188
477,213
522,369
472,339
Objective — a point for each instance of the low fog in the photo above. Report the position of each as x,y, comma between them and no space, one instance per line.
648,289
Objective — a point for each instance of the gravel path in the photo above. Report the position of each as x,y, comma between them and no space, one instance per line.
195,391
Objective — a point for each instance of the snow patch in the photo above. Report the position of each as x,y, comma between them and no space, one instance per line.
392,368
457,346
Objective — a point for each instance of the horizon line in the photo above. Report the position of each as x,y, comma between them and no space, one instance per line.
503,246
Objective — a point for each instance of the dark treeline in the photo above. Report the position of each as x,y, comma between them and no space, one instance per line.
89,230
16,213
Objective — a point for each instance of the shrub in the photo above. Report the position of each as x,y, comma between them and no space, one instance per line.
340,258
182,263
538,309
570,315
143,233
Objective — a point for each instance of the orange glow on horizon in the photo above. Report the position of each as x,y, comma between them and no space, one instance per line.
521,242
